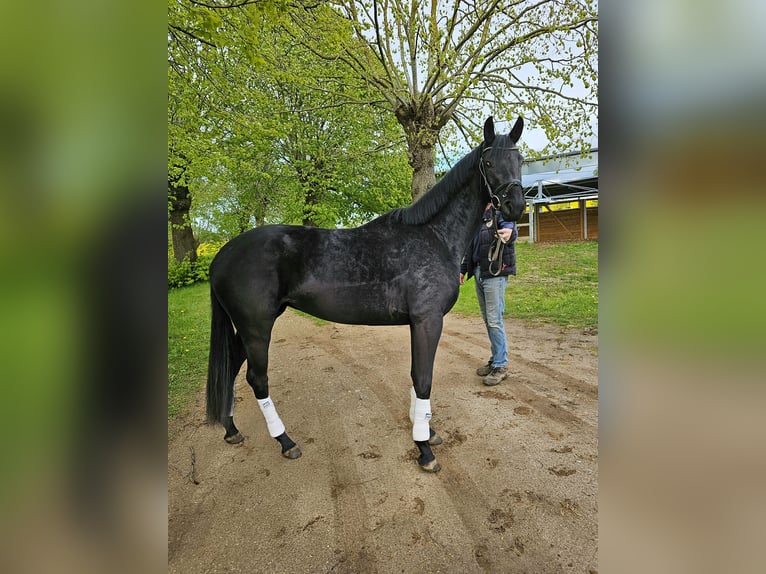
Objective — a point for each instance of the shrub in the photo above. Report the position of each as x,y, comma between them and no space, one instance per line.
185,273
210,248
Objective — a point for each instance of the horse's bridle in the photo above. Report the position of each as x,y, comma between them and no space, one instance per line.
494,195
495,254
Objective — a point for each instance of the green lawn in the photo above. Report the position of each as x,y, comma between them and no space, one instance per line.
188,341
556,283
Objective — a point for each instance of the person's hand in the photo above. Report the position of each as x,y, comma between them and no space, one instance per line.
505,234
462,278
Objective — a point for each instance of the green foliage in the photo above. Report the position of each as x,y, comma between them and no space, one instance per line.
185,273
263,131
290,112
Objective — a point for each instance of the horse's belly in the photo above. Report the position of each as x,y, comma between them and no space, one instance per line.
353,306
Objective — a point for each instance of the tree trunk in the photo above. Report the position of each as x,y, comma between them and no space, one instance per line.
421,123
421,159
184,243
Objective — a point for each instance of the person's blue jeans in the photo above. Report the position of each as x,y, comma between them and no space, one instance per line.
491,295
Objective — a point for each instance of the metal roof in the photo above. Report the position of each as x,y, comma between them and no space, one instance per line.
563,177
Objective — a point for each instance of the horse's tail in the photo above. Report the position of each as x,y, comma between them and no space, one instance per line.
226,357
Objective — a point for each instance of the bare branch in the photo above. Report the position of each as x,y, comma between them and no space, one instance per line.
384,57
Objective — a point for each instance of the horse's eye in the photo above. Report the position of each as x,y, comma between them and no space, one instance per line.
488,163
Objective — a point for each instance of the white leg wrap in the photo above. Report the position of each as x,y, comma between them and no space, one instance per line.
420,428
413,396
275,424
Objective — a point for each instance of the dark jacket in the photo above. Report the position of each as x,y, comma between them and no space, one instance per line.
478,249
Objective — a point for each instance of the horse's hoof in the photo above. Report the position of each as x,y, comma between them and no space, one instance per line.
432,466
234,439
292,453
434,440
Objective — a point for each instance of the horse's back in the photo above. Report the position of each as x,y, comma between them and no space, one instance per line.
266,241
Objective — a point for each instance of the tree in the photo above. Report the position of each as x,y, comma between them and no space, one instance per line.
433,63
187,97
330,147
215,145
263,136
179,197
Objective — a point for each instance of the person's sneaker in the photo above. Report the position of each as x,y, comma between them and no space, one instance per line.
496,375
485,370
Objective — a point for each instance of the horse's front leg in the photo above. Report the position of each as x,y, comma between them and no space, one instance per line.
433,438
424,338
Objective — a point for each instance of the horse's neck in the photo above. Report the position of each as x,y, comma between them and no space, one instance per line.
458,221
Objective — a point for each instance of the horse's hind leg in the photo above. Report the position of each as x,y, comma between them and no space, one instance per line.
257,348
233,436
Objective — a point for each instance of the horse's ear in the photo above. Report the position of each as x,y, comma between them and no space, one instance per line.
516,130
489,131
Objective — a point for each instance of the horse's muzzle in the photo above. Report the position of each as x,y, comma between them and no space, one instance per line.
512,204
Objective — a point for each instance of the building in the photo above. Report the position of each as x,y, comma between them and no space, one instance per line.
562,197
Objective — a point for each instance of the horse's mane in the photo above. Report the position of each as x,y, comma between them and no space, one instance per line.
432,202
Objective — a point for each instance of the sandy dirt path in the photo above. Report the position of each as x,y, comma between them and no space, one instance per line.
519,480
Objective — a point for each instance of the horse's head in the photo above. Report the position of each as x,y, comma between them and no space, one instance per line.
500,167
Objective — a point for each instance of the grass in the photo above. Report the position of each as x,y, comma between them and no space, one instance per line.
188,342
556,283
316,320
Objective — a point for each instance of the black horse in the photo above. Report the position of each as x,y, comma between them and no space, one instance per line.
399,269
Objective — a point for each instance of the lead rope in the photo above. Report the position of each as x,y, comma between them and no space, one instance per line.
495,254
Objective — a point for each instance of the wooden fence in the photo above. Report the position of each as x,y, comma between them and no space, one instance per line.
576,224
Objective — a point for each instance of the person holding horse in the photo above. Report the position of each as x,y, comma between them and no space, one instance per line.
491,258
